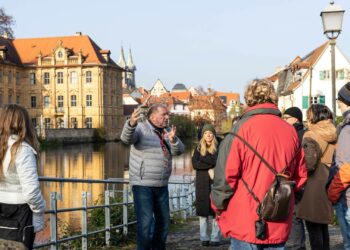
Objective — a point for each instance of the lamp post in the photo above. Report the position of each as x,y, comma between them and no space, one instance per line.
332,20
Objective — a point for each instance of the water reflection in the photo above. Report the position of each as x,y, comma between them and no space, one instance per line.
91,161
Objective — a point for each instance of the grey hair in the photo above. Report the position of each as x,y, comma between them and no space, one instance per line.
154,108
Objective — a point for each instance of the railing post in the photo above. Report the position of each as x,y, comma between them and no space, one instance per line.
191,200
107,217
185,200
53,220
171,201
84,221
178,200
125,209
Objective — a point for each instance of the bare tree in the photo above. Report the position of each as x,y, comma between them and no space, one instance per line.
6,23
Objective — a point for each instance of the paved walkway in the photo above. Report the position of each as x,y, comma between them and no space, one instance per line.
186,236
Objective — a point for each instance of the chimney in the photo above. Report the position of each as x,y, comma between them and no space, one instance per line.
78,33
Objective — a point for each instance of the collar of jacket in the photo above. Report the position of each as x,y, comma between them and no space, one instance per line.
13,138
346,116
265,108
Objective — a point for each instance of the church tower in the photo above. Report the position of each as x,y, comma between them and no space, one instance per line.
128,81
131,72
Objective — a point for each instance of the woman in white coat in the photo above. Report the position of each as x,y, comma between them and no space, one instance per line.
22,205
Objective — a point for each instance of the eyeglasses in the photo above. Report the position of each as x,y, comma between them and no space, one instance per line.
286,117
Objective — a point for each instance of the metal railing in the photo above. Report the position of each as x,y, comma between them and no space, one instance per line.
181,198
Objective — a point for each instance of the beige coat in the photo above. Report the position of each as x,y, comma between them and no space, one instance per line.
319,145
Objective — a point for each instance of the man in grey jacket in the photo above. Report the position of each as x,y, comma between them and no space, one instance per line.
150,165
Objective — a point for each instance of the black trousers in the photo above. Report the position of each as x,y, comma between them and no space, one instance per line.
318,235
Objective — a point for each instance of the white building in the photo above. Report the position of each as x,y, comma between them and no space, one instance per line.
158,88
311,74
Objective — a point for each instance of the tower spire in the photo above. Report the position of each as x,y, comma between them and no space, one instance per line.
121,61
131,65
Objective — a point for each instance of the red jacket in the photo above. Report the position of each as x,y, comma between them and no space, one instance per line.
277,141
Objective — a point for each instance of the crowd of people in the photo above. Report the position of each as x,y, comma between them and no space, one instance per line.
235,177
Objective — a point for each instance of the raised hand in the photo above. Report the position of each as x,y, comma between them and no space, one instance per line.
171,134
135,116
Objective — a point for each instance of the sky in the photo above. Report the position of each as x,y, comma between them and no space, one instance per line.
221,44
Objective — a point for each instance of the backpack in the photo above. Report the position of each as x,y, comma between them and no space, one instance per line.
276,204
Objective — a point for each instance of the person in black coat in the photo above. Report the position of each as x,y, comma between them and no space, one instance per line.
296,241
203,161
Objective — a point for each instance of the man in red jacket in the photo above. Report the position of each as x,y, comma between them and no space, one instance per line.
277,142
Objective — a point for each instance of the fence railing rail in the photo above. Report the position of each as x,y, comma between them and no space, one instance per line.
181,197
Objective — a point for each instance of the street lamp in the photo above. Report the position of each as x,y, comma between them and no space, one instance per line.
332,19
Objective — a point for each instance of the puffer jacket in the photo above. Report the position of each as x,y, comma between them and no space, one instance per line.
277,142
319,145
20,183
339,187
148,164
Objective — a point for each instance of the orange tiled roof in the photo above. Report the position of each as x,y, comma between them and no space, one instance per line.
206,102
184,95
29,48
229,96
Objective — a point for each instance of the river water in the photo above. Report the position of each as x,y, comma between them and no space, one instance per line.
91,161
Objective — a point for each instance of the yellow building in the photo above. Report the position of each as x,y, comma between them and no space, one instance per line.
64,82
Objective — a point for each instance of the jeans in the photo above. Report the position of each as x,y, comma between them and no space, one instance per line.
149,203
203,228
318,235
296,240
242,245
343,214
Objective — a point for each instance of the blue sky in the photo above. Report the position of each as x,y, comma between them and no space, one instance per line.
220,44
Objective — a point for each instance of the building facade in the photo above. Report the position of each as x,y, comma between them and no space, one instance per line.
64,82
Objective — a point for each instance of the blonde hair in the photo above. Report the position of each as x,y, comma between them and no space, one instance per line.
260,91
203,147
14,120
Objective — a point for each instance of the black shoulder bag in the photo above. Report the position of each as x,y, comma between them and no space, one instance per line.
276,204
16,223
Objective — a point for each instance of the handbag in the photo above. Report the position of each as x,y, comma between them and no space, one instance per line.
16,223
276,204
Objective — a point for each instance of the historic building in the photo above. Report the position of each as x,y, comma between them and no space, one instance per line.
64,82
307,80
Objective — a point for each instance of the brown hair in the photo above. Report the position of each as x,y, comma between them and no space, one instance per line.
260,91
14,120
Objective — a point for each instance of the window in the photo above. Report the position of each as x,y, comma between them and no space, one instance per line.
314,100
34,122
17,78
88,77
73,100
104,100
0,100
17,99
10,77
340,74
60,101
88,122
59,54
73,77
59,77
32,78
10,99
112,100
33,101
88,100
47,123
46,78
0,75
46,101
324,75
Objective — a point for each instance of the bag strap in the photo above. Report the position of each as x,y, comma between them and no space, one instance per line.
266,163
262,158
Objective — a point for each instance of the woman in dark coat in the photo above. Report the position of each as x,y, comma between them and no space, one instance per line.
203,161
319,145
